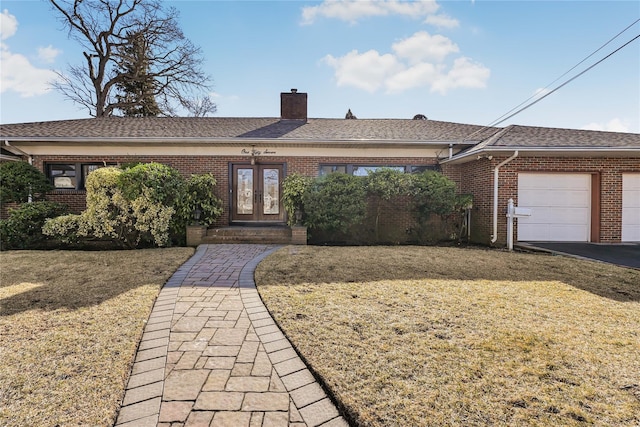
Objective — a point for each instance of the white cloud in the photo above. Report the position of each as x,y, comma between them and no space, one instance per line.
417,61
419,75
366,71
465,73
17,73
8,25
613,125
48,54
442,21
352,10
424,47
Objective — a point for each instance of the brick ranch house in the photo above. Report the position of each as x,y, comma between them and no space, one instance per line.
579,185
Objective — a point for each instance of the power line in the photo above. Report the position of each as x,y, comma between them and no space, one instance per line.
503,118
567,82
567,72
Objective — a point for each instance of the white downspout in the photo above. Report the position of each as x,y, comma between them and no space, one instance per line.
494,236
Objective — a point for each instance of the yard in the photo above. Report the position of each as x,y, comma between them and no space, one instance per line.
401,335
409,336
70,323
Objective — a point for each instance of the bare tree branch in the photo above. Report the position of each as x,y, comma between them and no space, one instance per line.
103,28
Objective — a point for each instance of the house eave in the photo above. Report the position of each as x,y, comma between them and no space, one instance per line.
468,156
7,158
25,142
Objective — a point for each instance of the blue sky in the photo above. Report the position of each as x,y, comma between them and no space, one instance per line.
458,61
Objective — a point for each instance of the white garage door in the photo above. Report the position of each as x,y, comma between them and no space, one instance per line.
631,207
560,205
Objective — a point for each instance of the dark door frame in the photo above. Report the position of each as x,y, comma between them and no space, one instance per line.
257,217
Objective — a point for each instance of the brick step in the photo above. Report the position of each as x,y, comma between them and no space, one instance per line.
275,235
246,239
249,231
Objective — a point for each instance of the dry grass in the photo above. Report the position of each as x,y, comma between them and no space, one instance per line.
70,323
410,336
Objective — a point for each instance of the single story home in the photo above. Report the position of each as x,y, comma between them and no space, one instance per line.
577,185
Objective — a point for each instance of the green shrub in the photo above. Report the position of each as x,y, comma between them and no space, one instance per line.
387,183
66,228
122,205
294,187
155,181
23,228
199,194
108,213
433,194
384,185
18,180
151,220
335,202
142,205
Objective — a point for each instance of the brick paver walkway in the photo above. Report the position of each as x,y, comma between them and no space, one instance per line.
211,355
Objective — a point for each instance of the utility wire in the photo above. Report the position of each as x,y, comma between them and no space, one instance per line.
567,82
570,70
503,118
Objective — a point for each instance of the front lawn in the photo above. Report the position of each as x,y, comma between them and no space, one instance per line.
70,323
408,336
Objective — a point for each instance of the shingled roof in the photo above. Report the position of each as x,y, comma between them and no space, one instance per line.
184,128
550,141
529,136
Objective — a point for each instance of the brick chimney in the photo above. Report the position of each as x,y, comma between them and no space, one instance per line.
293,106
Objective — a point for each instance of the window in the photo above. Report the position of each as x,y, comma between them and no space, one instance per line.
420,169
71,176
364,170
63,176
327,169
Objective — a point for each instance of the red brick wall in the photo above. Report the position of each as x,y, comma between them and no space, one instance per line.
476,177
219,166
5,208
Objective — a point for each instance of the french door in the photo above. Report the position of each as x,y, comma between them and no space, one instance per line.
256,193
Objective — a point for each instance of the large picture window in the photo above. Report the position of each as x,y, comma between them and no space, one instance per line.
71,176
364,170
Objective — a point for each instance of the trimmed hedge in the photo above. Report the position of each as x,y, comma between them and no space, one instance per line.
341,208
19,180
23,228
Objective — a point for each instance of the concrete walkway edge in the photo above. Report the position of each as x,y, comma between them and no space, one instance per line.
212,355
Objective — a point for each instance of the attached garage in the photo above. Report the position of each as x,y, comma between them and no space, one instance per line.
631,207
560,206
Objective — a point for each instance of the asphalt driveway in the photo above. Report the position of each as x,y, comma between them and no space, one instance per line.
623,254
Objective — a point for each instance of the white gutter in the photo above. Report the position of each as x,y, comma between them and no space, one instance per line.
547,151
236,141
494,236
9,158
8,144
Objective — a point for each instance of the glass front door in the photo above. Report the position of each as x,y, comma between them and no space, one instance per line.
256,193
